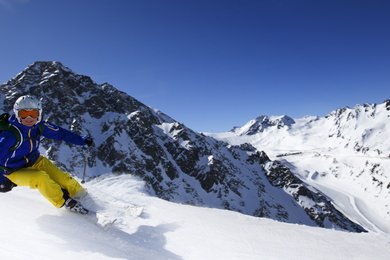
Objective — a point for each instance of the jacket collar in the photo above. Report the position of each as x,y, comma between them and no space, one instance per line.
14,121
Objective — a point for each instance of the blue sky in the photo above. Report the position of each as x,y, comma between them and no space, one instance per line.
211,64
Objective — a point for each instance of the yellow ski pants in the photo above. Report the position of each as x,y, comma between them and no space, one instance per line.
48,179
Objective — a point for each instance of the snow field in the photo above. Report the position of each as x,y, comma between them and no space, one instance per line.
32,229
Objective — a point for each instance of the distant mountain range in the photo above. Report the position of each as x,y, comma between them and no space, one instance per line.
179,164
345,155
363,129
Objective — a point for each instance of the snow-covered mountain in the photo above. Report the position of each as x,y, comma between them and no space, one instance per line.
262,123
363,129
345,155
176,163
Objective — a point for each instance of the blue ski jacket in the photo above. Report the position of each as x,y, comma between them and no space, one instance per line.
27,153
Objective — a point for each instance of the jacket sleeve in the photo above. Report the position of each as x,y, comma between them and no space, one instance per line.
52,131
7,140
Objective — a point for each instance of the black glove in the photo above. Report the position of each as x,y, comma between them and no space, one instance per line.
88,141
6,185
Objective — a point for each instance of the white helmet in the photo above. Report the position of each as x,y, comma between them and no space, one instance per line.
28,102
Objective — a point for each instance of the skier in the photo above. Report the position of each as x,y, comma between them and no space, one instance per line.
21,163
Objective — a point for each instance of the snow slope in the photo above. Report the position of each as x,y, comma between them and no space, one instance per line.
32,229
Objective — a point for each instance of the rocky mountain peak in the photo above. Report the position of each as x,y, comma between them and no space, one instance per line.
48,66
42,69
262,123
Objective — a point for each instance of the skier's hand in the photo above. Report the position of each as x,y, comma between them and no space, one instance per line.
88,141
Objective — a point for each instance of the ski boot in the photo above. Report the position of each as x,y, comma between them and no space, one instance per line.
75,206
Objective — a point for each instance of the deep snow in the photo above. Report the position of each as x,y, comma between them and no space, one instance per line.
32,229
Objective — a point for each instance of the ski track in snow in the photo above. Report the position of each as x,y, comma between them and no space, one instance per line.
350,205
33,229
68,233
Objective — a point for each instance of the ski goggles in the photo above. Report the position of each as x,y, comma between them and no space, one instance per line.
24,113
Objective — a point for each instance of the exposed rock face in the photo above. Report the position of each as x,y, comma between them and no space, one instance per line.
317,206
